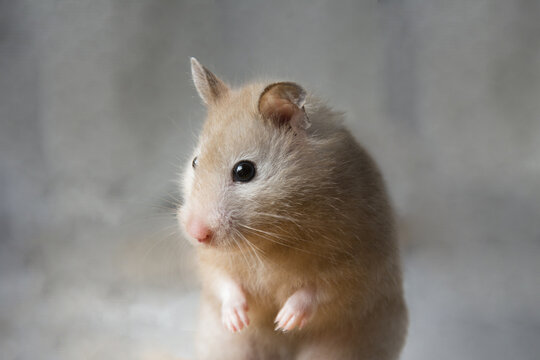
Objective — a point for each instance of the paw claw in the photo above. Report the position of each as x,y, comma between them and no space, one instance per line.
296,312
234,316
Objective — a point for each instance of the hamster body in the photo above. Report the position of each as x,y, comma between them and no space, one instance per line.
294,232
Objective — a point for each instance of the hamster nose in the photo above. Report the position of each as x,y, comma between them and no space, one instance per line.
199,230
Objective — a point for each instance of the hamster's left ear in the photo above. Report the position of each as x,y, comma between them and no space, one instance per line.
210,88
283,104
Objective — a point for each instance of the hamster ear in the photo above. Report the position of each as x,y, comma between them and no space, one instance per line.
283,104
208,85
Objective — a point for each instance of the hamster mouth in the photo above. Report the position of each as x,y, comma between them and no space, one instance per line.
208,241
204,241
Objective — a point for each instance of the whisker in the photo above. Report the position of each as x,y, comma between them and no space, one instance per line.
235,242
253,247
273,238
286,218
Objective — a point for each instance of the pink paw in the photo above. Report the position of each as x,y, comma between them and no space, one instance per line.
234,314
296,312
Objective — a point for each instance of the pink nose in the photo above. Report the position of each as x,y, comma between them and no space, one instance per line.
199,230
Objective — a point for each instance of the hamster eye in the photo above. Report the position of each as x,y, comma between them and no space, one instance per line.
194,162
243,171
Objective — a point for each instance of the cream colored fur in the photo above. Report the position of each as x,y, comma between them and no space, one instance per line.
312,233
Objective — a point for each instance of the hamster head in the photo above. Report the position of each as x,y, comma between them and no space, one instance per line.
245,177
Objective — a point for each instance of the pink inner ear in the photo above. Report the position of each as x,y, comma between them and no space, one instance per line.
278,109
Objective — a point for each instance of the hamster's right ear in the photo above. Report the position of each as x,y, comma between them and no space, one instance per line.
283,104
210,88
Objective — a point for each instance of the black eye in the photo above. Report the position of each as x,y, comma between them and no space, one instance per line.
243,171
194,162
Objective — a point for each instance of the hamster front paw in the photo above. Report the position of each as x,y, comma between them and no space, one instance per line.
234,313
297,310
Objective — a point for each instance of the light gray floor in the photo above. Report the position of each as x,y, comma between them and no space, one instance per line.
97,113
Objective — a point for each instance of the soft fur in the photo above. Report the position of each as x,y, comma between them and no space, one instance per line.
315,223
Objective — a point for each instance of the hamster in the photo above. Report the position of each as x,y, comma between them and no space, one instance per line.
294,233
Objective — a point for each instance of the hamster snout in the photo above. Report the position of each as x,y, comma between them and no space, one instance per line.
197,229
197,226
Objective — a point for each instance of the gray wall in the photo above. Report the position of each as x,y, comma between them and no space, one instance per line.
97,113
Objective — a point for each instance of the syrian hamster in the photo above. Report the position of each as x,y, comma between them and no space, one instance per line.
293,230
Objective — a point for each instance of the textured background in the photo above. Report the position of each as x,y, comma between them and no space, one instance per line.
97,113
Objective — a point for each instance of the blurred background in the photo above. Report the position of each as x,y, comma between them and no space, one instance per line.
98,115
